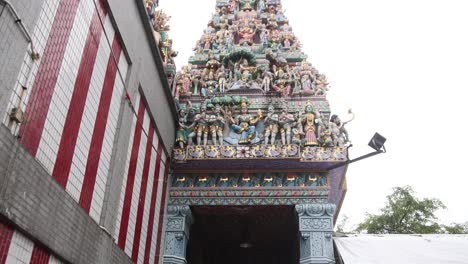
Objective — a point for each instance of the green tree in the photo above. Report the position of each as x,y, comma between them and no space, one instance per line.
404,214
456,228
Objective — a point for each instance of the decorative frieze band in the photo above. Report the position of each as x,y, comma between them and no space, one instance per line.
305,154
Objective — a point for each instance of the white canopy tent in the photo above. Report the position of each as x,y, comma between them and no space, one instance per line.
403,249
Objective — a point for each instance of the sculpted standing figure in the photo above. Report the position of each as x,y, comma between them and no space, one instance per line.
217,123
187,83
196,81
185,128
222,79
299,119
267,78
271,125
286,121
309,125
261,6
202,126
212,65
338,131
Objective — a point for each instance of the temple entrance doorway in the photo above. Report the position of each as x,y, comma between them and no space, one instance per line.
244,235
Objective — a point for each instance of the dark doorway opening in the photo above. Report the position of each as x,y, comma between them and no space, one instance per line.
247,235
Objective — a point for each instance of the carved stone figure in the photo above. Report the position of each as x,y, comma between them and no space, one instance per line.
246,36
245,125
283,85
222,79
187,83
306,84
202,126
286,121
296,136
338,131
183,130
217,123
321,85
261,5
267,79
309,125
271,125
247,4
248,53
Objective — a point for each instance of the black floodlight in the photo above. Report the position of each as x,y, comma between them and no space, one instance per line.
377,142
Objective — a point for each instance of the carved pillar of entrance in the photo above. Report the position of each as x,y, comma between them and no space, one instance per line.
316,230
179,219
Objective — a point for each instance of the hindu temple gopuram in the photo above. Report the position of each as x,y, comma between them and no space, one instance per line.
109,155
256,143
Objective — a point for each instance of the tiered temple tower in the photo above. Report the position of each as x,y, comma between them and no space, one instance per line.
255,177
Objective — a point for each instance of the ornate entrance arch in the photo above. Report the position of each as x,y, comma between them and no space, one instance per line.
307,192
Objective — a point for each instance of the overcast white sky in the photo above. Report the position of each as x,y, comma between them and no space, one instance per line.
402,66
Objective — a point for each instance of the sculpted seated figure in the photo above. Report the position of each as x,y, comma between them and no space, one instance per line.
246,36
283,86
245,125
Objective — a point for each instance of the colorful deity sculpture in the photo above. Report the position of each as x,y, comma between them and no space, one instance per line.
217,123
201,120
222,79
283,85
249,56
245,125
246,35
338,131
212,65
310,125
247,4
271,125
267,79
286,122
261,5
184,130
306,84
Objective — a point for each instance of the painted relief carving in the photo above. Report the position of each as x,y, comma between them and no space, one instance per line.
254,180
178,225
316,228
249,84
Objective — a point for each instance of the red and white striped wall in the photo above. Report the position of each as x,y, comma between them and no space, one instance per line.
71,106
16,248
138,229
73,97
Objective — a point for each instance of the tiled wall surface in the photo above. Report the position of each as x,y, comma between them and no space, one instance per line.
17,249
80,121
141,196
73,98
